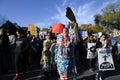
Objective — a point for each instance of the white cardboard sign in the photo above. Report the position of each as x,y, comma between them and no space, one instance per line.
90,55
105,60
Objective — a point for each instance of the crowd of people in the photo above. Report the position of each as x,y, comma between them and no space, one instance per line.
53,52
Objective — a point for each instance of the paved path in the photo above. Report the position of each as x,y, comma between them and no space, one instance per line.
36,73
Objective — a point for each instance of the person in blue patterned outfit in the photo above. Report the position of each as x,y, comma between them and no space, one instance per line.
63,57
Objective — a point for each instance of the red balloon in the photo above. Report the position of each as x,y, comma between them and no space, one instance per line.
57,28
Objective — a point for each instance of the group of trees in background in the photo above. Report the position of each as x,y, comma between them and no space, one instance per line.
108,20
91,28
110,16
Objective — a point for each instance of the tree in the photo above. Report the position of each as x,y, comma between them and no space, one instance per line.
97,19
45,29
91,29
111,15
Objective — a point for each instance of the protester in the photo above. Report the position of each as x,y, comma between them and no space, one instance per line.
12,39
92,50
95,39
110,37
36,45
4,51
20,54
41,46
101,43
63,56
103,40
46,55
114,49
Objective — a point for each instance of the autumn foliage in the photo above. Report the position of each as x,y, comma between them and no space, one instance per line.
91,29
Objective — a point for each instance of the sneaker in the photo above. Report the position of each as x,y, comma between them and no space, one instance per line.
16,77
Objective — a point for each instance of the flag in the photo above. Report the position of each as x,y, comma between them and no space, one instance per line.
70,14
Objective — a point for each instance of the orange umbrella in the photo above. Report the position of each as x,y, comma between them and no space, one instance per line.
57,28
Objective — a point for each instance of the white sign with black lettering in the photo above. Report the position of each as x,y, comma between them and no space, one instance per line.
105,60
91,51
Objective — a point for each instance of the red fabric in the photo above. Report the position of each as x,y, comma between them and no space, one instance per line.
57,28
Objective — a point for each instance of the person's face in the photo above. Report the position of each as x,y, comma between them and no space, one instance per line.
33,37
48,36
103,37
28,35
8,34
91,38
95,38
110,34
65,31
50,29
1,33
18,34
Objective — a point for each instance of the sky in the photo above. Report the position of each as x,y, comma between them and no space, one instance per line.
44,13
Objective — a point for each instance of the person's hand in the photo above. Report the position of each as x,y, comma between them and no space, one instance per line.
97,49
110,47
44,49
1,33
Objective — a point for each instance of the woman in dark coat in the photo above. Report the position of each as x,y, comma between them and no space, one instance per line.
20,54
4,51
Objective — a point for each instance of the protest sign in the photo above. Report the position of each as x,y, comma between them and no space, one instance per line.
84,34
105,60
118,46
91,51
99,34
33,29
113,42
